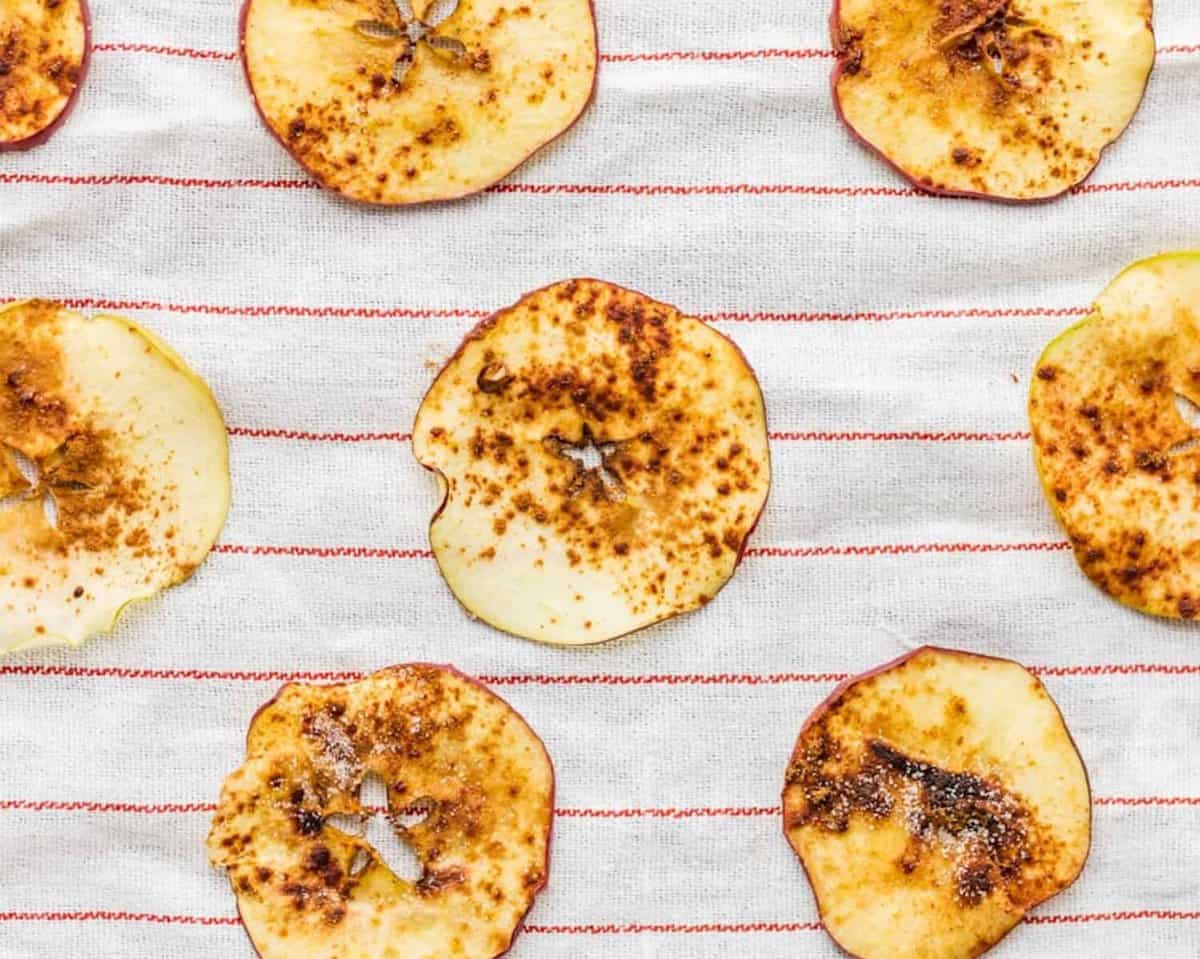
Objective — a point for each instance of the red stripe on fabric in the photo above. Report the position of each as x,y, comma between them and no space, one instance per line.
760,316
190,53
1135,186
563,189
702,189
672,928
760,552
105,915
902,549
261,433
1113,916
152,179
889,316
542,679
844,436
701,812
590,929
145,809
707,56
324,552
316,312
1147,800
902,436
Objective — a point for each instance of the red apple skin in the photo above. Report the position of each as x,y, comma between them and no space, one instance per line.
244,16
835,33
454,670
84,63
845,684
488,321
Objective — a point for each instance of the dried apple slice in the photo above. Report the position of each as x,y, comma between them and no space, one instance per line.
602,459
1007,99
389,104
934,801
132,466
447,749
44,51
1115,456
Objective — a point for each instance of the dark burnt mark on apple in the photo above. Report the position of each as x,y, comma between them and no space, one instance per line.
308,822
850,51
434,881
493,377
993,35
985,830
965,157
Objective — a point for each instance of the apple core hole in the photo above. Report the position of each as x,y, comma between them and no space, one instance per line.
415,31
32,476
382,831
50,510
346,823
439,11
592,463
26,467
1190,413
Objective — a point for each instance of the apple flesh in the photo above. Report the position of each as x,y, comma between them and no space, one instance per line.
1115,455
44,51
602,459
446,748
1004,99
132,465
933,802
384,105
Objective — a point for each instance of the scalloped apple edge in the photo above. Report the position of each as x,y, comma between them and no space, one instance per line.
44,134
455,671
835,32
243,16
1094,313
476,332
840,689
176,360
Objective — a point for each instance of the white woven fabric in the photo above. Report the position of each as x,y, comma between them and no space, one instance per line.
863,313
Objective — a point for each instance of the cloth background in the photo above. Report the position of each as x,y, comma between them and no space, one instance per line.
894,335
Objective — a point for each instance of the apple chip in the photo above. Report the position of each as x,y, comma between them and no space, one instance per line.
1114,451
449,752
602,460
934,801
128,472
44,50
391,104
1007,99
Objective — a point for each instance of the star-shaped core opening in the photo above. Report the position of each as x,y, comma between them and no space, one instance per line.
414,31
